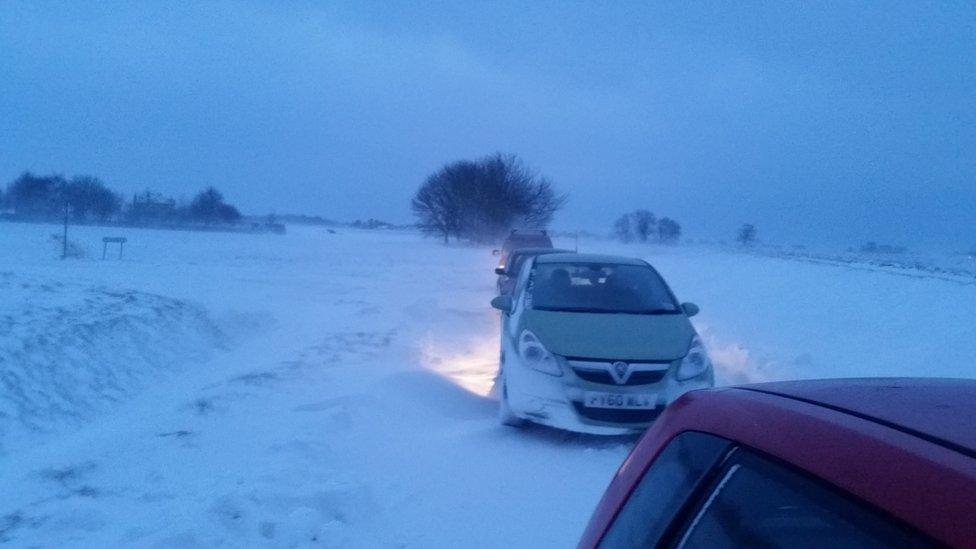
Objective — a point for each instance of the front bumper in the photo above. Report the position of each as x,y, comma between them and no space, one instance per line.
559,401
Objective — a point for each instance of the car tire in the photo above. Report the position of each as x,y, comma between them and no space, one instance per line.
505,414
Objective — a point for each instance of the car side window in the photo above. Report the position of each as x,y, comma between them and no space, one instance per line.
682,467
515,262
523,277
756,502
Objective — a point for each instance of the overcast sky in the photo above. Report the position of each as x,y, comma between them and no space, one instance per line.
838,122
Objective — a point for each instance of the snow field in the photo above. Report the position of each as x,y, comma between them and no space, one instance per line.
336,419
319,389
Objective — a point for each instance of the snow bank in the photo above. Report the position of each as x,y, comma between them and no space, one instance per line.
69,351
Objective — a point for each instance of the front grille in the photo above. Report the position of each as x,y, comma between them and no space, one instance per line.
611,415
638,377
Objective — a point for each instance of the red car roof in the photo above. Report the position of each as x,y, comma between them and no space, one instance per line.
903,445
939,410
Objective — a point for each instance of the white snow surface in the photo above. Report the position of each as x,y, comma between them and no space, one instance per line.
334,389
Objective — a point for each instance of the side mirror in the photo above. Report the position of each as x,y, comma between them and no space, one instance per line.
690,309
496,252
500,271
503,303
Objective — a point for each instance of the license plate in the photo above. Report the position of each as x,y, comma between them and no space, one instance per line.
619,401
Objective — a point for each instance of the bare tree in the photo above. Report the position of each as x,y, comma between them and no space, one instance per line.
482,200
644,224
89,198
621,228
37,197
438,203
209,206
639,224
747,234
427,206
668,230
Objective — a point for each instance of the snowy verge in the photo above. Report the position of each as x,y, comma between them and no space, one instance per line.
70,351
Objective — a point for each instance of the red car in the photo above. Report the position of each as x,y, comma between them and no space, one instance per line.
832,463
521,238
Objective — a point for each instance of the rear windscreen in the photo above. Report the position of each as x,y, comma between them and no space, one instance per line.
600,288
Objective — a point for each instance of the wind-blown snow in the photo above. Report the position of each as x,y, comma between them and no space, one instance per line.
69,350
336,389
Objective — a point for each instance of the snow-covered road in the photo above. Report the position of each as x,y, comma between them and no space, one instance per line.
334,389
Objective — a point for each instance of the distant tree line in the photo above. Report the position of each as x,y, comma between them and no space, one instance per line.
481,200
373,224
875,248
644,226
86,199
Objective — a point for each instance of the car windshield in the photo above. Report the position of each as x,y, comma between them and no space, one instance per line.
600,288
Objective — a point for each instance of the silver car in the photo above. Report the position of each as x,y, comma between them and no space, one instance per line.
595,344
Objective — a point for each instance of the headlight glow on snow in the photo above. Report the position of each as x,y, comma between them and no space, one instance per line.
695,363
536,356
468,363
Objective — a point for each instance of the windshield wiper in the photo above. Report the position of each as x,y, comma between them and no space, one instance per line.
656,312
606,311
575,310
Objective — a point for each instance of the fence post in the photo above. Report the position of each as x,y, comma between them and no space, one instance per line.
64,238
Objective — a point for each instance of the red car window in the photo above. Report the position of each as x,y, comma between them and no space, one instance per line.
758,503
664,488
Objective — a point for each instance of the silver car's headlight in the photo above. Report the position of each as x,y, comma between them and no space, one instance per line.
695,363
536,356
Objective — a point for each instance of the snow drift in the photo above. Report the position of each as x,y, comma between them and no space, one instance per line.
69,351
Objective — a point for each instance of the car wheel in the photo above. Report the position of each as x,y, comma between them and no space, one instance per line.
505,414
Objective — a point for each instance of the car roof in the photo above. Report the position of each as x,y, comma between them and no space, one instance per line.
537,236
589,258
936,409
540,251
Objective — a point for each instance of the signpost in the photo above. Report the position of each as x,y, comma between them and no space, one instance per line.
120,240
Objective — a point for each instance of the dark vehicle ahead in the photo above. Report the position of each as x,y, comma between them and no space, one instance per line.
829,463
522,238
508,275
